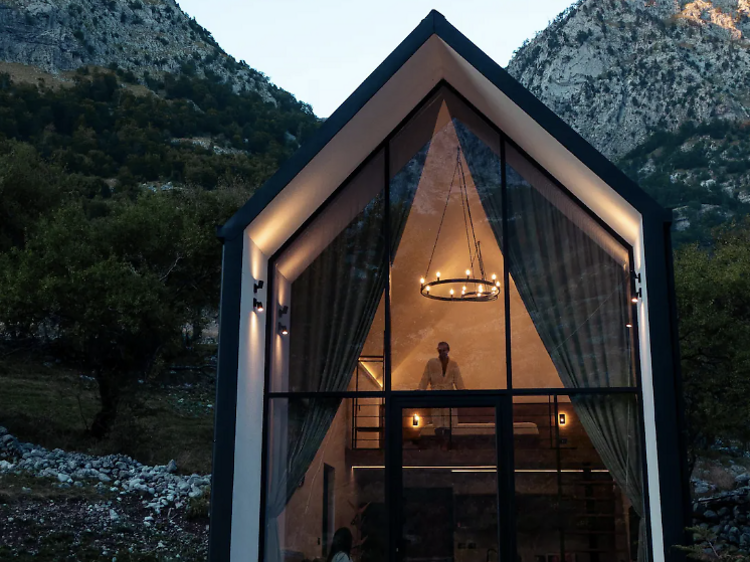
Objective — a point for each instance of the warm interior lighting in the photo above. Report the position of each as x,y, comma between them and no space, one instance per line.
562,419
258,305
476,281
415,420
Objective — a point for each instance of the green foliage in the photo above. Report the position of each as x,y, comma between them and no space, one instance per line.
109,273
681,160
98,128
707,547
713,298
114,293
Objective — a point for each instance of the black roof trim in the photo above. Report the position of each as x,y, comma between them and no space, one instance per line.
436,24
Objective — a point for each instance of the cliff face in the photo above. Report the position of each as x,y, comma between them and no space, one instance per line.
145,37
617,70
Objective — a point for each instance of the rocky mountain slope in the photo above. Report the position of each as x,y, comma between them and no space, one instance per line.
617,70
144,37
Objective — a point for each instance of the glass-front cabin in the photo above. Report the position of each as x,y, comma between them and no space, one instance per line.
447,332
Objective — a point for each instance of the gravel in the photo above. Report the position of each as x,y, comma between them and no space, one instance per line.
159,486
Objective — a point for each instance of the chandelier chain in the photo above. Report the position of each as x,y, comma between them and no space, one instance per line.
477,253
442,219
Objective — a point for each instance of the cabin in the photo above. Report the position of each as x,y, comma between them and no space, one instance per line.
447,331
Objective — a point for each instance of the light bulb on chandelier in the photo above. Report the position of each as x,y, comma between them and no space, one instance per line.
475,287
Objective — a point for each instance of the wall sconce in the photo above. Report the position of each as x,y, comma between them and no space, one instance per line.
283,310
258,305
257,286
283,330
562,420
415,420
636,296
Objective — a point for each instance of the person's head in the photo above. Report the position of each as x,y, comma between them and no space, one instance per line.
341,542
443,349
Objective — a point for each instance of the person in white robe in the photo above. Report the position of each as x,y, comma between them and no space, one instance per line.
442,373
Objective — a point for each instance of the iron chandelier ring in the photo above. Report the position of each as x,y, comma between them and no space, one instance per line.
473,296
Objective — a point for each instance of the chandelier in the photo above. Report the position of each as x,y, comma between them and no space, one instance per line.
474,286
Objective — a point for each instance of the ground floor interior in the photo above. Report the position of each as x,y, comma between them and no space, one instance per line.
547,477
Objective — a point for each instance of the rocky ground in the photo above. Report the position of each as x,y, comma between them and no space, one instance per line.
56,505
721,508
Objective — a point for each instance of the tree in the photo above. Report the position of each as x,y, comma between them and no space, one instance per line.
713,298
115,293
28,189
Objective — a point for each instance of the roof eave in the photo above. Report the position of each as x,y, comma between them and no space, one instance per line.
345,112
435,23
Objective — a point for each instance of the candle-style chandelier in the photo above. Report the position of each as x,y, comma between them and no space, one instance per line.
474,286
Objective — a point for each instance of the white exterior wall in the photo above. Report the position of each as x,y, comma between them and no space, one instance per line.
249,425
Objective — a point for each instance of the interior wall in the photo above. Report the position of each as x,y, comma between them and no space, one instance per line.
475,331
301,522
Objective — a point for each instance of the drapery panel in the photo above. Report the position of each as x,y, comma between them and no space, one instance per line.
573,279
334,302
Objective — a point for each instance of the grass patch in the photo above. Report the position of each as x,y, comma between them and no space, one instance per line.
15,488
51,405
198,508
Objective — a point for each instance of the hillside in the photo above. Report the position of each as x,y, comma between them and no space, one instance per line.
144,38
618,70
662,87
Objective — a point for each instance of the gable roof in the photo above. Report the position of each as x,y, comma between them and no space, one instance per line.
432,53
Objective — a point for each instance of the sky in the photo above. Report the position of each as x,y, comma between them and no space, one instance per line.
321,50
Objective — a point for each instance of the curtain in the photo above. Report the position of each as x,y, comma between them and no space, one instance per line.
573,278
334,302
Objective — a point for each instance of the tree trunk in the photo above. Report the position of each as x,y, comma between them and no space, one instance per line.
109,396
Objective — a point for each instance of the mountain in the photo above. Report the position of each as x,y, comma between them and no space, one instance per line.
662,87
133,93
617,70
143,38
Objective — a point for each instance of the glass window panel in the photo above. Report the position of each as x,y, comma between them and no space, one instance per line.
571,315
449,484
578,478
318,483
329,286
446,212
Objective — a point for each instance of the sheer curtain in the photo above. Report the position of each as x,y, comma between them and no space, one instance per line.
573,279
333,305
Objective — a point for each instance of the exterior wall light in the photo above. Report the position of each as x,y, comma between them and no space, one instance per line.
283,330
257,286
415,420
562,420
283,310
636,296
258,305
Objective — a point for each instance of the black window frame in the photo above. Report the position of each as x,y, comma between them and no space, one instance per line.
392,398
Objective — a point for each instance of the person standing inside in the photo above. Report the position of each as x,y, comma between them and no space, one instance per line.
442,373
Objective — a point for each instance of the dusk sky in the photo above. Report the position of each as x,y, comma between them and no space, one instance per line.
321,50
